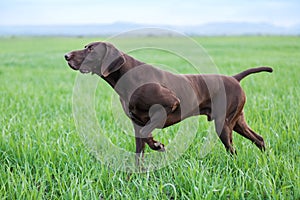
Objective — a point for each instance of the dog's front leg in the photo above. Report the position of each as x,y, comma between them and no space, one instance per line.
158,118
139,145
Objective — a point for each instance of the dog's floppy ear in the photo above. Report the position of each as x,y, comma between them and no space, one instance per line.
112,61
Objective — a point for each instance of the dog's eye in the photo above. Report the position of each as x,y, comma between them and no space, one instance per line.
89,48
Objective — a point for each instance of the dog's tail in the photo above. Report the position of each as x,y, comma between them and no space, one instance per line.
247,72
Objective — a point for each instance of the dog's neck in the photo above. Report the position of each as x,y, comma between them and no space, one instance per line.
114,77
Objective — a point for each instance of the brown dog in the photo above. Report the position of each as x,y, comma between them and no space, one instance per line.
153,98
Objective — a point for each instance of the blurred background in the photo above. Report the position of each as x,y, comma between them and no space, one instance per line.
193,17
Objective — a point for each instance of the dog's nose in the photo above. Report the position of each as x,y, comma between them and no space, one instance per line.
68,56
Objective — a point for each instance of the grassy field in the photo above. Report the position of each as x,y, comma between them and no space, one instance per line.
42,156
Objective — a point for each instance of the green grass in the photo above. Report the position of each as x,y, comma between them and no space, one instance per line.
42,156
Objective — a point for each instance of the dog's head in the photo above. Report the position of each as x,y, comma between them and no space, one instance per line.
98,57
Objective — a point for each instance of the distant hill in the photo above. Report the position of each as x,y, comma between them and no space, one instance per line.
224,28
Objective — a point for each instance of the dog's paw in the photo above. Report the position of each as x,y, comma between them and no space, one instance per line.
159,147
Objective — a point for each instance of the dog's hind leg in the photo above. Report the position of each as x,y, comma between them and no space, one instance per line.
243,129
225,134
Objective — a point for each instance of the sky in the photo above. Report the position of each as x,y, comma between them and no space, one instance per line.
153,12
